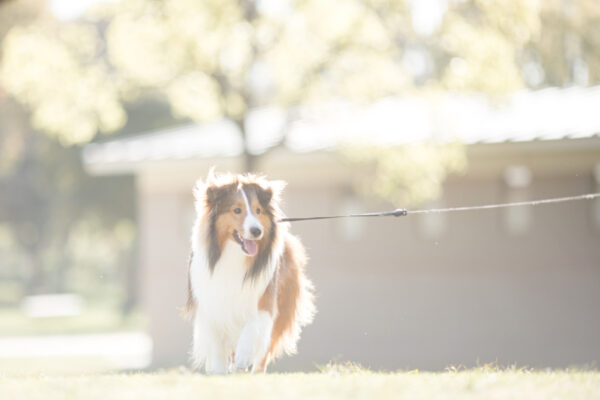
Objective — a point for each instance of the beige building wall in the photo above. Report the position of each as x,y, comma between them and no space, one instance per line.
413,292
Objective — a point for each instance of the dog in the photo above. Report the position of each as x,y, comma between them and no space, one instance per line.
248,294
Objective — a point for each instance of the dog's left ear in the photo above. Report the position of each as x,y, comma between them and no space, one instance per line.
264,196
271,192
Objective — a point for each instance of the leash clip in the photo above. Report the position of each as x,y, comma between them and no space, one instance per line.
400,212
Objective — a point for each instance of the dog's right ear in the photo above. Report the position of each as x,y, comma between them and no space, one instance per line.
207,194
214,194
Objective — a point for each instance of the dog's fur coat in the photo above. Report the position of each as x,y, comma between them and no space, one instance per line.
247,292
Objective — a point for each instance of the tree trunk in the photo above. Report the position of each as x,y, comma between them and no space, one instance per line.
249,160
34,281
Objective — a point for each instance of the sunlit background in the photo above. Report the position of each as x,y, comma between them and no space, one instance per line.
109,111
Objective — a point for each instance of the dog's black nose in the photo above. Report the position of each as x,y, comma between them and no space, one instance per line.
256,232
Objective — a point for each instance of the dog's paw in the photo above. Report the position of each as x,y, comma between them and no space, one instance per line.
216,367
253,342
242,365
243,357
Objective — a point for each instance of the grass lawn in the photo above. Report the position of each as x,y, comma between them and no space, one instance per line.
332,383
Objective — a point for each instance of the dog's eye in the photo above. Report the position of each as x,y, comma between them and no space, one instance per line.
237,210
258,211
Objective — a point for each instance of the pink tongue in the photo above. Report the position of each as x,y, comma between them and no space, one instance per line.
250,246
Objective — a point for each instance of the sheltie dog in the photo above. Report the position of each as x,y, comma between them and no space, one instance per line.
247,292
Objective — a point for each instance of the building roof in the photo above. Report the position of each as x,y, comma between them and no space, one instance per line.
549,114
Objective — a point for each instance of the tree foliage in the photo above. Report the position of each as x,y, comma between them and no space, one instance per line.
215,59
221,58
47,203
50,209
407,175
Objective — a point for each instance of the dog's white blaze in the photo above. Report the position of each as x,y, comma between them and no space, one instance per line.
250,221
254,341
226,304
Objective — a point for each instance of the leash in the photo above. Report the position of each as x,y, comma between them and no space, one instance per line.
402,212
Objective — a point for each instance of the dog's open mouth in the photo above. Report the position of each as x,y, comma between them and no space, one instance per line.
249,247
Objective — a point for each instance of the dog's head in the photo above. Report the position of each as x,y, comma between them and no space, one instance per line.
241,210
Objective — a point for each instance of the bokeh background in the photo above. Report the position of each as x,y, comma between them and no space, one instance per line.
110,110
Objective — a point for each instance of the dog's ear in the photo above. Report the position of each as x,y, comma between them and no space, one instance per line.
214,194
207,192
271,191
264,195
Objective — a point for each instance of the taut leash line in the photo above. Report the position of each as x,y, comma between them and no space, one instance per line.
401,212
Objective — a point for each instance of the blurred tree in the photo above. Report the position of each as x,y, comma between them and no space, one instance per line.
210,60
406,175
567,49
45,196
19,12
533,44
221,58
11,142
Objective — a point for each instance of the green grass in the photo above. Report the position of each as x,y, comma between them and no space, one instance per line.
332,383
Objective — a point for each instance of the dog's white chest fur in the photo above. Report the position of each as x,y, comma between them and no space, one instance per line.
223,296
225,302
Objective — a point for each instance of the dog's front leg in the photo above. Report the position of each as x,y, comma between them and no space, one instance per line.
217,361
209,348
217,353
254,341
